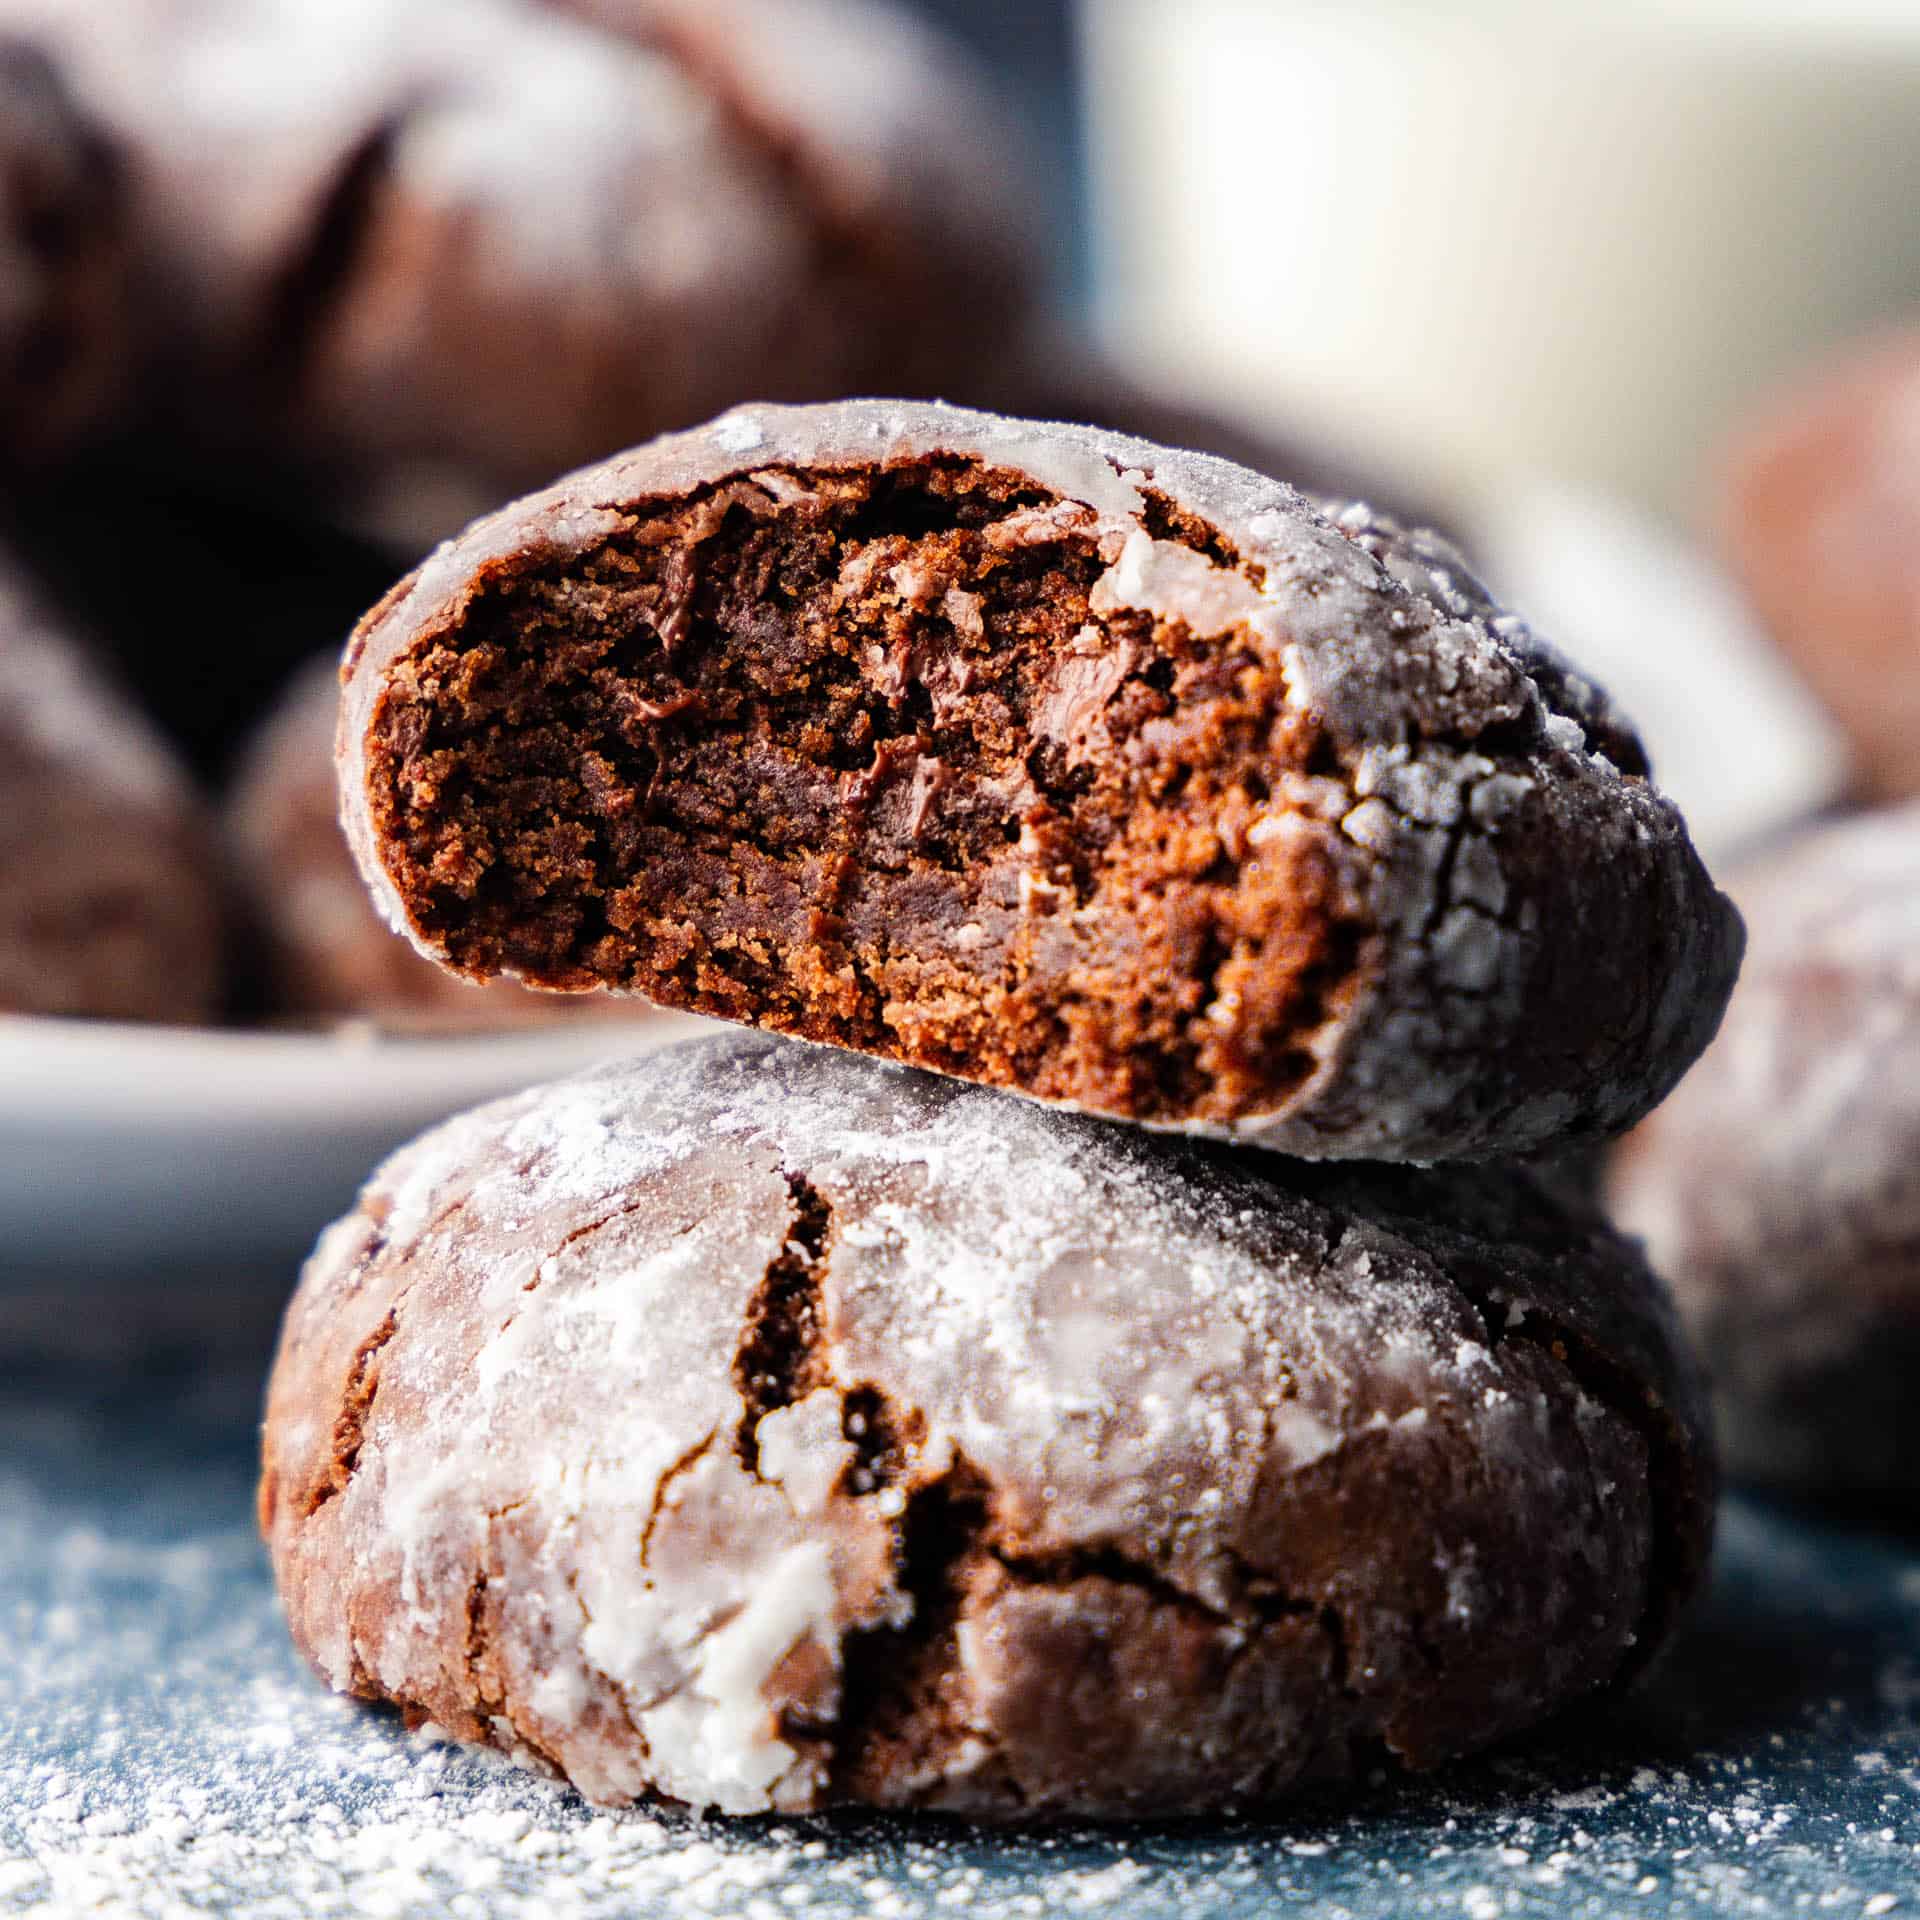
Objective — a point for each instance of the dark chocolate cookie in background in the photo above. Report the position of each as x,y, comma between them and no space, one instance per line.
1819,518
773,1429
435,251
899,159
1778,1189
110,902
1069,763
67,339
324,952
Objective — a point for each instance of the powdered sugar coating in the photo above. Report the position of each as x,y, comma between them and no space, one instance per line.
1521,874
1777,1187
436,250
512,1481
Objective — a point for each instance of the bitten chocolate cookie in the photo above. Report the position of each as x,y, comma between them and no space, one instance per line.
1779,1188
769,1428
66,337
326,951
1820,521
1061,761
109,901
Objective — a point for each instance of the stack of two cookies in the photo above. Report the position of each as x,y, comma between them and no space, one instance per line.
766,1427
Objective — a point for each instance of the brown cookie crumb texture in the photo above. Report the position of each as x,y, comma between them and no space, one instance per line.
326,951
916,753
1819,518
109,901
769,1429
870,771
1776,1189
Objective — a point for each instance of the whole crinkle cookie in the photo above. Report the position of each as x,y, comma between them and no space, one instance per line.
769,1428
1779,1189
1122,777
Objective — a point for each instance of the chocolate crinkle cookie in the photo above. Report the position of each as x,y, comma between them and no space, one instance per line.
109,894
1121,777
66,338
430,252
771,1429
1779,1189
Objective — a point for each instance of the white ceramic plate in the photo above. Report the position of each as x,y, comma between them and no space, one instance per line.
159,1148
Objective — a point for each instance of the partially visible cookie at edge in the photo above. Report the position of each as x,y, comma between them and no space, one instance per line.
423,254
1778,1190
68,339
901,159
110,896
771,1429
1818,511
1119,776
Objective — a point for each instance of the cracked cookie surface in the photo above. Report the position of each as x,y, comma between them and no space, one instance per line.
1117,776
769,1428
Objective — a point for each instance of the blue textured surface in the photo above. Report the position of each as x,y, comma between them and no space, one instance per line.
163,1752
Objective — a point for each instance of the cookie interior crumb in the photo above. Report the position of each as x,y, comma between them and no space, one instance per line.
856,755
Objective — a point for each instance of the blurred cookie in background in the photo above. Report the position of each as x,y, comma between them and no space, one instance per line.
1819,517
436,251
1778,1189
324,952
110,902
906,172
66,335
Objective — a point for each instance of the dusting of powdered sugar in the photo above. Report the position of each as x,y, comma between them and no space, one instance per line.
165,1755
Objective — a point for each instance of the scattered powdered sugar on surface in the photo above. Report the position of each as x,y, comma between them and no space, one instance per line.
164,1755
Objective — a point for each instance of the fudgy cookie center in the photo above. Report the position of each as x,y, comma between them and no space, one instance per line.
854,756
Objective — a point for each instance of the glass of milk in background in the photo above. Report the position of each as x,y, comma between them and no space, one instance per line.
1537,257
